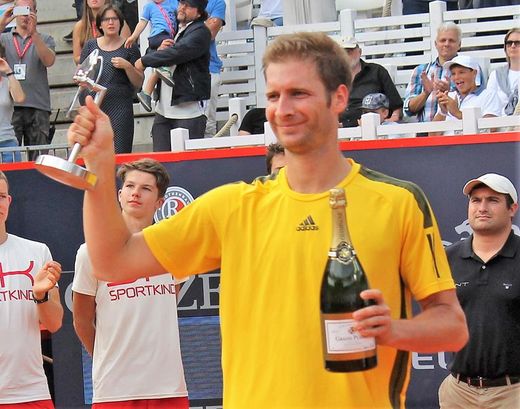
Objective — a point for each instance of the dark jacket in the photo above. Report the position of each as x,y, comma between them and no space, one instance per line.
191,56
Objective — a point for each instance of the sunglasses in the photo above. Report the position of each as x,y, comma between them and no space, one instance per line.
510,43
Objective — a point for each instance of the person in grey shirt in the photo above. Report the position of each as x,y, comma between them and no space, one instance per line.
10,92
30,53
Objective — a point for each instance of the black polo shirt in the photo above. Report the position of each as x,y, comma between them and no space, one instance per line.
370,79
489,294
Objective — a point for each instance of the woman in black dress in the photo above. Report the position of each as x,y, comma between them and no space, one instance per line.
119,75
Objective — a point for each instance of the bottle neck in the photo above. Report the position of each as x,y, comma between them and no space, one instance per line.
340,233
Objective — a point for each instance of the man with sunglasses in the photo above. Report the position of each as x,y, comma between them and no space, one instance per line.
182,106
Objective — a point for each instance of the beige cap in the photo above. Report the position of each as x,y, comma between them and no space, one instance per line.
498,183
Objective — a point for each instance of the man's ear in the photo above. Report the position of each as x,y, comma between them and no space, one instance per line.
340,98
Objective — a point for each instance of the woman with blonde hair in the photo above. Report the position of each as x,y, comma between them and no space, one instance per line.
505,80
85,29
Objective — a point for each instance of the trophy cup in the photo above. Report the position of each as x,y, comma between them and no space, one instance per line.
67,171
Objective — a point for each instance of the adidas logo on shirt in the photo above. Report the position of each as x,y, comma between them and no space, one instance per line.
307,224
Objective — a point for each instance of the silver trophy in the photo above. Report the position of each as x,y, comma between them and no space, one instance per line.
67,171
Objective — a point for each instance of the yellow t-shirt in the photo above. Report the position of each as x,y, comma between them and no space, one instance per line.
271,244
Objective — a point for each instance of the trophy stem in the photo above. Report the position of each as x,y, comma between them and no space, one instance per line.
67,171
74,153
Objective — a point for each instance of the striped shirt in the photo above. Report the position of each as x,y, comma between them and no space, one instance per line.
415,87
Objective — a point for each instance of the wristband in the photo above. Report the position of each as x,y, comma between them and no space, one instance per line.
44,299
9,74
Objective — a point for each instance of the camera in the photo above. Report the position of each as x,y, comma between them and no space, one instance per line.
21,11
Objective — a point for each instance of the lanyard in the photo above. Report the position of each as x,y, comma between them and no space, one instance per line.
167,18
95,33
17,46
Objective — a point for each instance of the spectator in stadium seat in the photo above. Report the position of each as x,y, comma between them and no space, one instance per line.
30,297
182,106
161,14
29,52
423,6
506,79
216,10
78,5
253,122
126,371
485,267
86,29
270,14
378,103
119,74
469,92
420,98
10,92
369,78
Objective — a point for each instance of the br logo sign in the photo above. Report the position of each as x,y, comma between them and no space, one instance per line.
175,199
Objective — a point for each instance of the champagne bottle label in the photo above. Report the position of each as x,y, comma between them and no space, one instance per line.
343,338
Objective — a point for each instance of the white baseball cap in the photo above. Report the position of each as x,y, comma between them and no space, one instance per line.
498,183
464,61
467,62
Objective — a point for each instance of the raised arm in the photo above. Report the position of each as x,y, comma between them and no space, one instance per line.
15,89
130,41
45,53
76,42
115,253
50,313
6,18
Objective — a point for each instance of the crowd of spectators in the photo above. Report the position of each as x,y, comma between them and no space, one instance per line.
186,94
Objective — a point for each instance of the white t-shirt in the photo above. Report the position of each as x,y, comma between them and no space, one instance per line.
514,79
22,378
484,98
136,350
185,110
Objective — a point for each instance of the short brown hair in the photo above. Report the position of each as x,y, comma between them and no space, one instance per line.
331,61
150,166
102,13
272,150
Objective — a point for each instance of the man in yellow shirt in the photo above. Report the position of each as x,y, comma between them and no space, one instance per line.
270,239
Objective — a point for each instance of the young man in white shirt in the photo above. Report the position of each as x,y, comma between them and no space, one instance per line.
114,321
29,298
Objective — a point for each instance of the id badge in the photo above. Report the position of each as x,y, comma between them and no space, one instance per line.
20,71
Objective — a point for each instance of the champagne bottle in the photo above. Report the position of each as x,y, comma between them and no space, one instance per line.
344,349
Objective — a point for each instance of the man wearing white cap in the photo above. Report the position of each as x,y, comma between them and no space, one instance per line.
420,97
469,92
486,270
367,78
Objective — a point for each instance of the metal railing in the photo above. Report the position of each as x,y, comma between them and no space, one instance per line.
28,153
